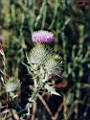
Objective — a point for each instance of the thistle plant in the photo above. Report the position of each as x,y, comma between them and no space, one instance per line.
43,64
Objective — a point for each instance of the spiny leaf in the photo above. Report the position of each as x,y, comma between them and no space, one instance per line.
51,90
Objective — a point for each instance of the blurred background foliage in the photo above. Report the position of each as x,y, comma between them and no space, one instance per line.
69,20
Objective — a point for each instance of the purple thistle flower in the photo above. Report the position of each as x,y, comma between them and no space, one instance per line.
43,37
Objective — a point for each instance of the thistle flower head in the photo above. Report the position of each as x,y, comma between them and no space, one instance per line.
54,65
43,37
38,54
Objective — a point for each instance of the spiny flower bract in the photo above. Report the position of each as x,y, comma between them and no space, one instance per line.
53,65
38,54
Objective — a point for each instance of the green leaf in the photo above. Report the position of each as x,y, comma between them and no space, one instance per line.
51,90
